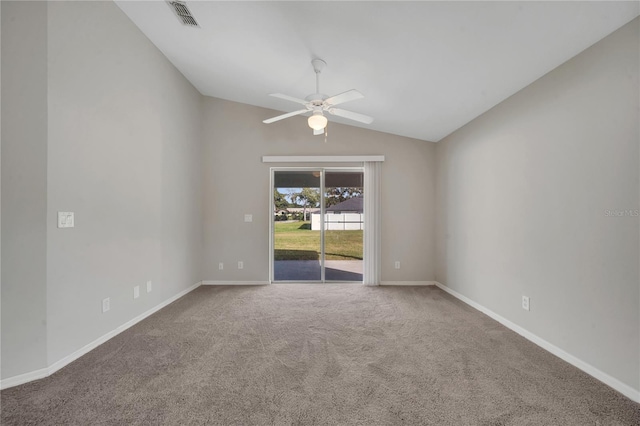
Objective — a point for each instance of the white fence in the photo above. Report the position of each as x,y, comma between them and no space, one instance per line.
339,222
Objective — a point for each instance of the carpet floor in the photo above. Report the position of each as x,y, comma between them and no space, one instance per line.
317,355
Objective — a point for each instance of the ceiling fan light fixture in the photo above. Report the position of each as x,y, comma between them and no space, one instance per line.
318,103
317,121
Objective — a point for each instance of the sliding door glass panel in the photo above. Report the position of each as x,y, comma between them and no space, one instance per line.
343,225
297,244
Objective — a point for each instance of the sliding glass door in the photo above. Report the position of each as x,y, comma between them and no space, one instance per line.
317,225
343,224
297,248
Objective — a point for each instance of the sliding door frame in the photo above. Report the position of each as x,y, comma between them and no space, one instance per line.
372,176
321,169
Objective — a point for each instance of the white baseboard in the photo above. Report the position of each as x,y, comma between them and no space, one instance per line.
20,379
623,388
44,372
398,283
408,283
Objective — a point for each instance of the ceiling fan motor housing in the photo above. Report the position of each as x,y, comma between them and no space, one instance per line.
316,99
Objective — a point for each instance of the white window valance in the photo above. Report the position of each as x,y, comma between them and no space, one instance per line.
322,158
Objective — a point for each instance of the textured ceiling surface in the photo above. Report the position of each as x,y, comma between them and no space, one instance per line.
425,68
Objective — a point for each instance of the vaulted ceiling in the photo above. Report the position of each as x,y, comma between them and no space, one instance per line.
425,68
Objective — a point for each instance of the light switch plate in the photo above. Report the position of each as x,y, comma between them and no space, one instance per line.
248,218
66,220
106,304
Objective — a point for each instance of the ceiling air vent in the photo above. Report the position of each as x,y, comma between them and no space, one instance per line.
184,14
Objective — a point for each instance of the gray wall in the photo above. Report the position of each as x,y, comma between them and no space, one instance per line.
522,194
114,136
237,182
124,155
24,185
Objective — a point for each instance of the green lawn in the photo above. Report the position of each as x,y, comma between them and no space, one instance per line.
296,241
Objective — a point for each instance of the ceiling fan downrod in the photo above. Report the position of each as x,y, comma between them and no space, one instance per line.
318,66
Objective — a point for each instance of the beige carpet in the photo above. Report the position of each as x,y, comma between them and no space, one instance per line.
318,355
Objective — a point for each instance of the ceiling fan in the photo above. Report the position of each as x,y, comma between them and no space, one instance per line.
318,104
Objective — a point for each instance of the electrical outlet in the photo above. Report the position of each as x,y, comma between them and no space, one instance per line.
525,303
148,286
106,304
397,266
66,220
136,292
221,266
248,218
240,264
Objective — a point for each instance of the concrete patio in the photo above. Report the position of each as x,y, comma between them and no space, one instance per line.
310,270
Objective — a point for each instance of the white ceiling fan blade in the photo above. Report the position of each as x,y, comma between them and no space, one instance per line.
289,98
318,132
283,116
349,95
351,115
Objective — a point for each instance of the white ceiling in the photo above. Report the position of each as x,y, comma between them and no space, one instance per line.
425,68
